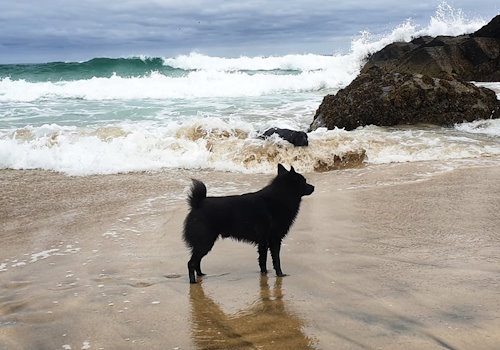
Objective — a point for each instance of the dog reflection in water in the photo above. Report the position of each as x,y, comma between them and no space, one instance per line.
267,324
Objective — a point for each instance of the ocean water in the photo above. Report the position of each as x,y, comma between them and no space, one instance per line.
112,115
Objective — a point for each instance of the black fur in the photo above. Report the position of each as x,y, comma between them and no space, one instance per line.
198,194
297,138
262,218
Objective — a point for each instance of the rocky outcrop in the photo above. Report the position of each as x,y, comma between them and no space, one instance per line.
474,57
491,30
423,81
387,98
296,138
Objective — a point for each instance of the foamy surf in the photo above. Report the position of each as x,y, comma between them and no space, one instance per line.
213,143
203,83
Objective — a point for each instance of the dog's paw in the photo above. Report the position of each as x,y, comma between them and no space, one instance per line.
281,274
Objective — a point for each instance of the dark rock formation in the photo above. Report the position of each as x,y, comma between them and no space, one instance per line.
473,57
491,30
350,159
387,98
296,138
422,81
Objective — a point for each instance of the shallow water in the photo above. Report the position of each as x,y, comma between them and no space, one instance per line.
402,256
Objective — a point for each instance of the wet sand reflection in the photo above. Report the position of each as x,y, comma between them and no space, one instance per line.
267,324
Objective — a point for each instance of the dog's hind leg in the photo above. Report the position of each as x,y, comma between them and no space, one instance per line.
194,263
275,254
263,247
198,269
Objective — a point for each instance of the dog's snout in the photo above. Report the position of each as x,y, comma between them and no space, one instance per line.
309,189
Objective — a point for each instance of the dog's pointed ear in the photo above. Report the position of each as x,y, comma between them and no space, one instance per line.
281,170
292,170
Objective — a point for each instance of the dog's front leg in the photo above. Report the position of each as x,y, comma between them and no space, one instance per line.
275,254
263,257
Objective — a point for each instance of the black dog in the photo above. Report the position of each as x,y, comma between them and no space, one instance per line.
262,218
296,138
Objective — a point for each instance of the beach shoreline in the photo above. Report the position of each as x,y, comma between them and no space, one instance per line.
394,256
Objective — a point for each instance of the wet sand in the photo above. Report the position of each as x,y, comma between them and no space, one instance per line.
384,257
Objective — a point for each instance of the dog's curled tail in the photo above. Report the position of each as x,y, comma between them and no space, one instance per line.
198,193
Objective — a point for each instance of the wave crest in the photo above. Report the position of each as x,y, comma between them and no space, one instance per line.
158,86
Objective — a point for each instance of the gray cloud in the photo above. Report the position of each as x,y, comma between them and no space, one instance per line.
56,29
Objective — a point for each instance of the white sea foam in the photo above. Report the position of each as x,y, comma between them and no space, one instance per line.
490,127
450,21
303,63
213,143
42,255
202,83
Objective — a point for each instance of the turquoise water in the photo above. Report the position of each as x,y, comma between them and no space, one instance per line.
97,67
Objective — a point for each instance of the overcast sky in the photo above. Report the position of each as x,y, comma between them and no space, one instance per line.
50,30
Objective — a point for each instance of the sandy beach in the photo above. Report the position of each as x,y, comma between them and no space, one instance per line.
400,256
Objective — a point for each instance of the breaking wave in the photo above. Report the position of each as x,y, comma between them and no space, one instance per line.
212,143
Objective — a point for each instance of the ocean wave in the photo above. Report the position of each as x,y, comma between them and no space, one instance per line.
101,67
214,143
159,86
300,63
